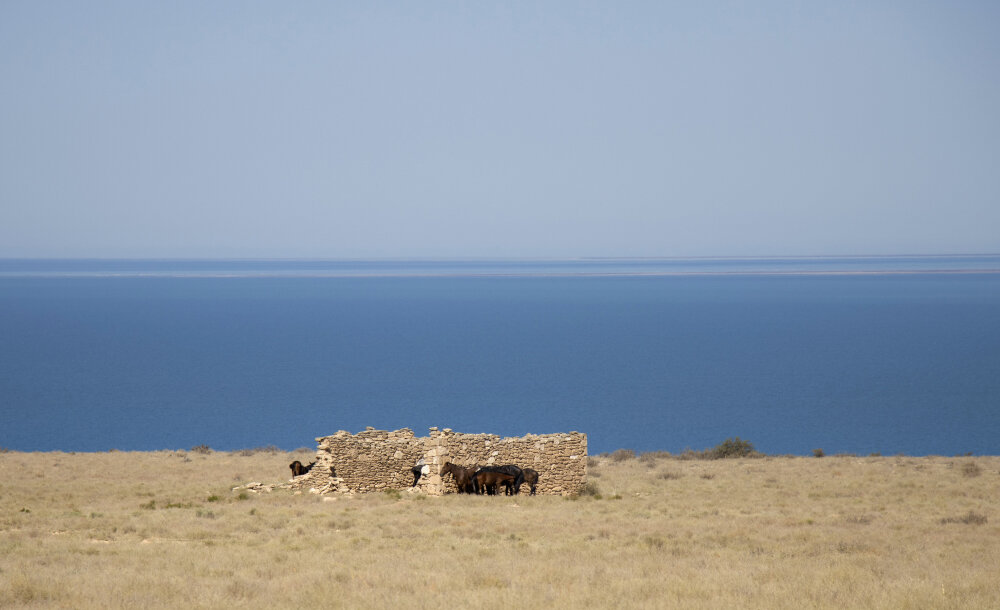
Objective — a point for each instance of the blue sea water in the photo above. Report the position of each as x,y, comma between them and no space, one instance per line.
896,355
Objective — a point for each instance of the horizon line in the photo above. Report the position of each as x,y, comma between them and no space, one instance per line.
400,259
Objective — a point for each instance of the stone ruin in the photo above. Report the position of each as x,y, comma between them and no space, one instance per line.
377,460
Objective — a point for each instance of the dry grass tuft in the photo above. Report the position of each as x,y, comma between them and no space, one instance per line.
620,455
256,450
970,518
971,469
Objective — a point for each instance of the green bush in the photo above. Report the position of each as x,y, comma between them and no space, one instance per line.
732,448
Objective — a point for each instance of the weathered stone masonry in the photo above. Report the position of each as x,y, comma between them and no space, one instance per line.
377,460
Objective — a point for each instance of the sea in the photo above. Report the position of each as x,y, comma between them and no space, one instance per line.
889,355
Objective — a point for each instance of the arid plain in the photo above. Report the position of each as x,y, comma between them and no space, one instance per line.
165,530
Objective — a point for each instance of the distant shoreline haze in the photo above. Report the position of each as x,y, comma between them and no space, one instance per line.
333,268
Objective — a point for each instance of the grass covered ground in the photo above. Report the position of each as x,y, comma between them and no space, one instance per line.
164,529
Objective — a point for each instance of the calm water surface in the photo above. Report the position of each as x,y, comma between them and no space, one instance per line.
860,355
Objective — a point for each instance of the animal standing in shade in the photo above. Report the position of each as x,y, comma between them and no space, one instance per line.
419,469
529,476
463,476
488,480
510,469
298,469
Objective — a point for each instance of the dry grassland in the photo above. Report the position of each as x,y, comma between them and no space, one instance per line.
164,529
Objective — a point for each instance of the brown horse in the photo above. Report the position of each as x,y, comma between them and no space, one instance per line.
488,480
298,469
510,469
463,476
529,476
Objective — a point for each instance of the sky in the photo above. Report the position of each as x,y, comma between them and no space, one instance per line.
506,129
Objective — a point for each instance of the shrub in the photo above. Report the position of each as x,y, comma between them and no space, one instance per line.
591,489
818,453
971,469
691,454
732,448
669,475
622,455
201,449
592,462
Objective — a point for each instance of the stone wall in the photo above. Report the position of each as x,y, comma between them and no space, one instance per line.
377,460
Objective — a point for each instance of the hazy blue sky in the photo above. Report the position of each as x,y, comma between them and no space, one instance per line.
438,129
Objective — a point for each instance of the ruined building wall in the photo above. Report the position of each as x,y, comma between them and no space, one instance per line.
373,460
560,459
376,460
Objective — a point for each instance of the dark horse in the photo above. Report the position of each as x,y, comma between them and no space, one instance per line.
488,480
529,476
298,469
463,476
510,469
